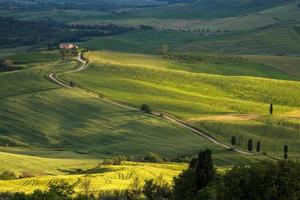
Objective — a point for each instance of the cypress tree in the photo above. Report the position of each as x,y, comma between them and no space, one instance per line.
250,145
204,169
233,140
286,150
258,147
271,109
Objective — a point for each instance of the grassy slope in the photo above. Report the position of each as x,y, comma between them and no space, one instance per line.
38,114
277,40
190,95
112,177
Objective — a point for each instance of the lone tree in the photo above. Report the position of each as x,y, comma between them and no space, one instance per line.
199,174
204,169
286,150
258,146
271,109
233,140
145,108
71,84
250,145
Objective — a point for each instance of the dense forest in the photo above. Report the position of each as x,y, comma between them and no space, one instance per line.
17,33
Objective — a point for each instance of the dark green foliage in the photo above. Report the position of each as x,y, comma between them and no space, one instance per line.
191,181
265,181
17,33
271,109
7,65
204,169
233,140
258,146
157,189
71,84
250,145
145,108
286,150
7,175
153,158
61,189
118,160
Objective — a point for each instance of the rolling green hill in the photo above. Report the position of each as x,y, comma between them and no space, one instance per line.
137,79
273,40
37,114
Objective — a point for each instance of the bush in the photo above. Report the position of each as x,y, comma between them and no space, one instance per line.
157,189
7,175
112,195
145,108
71,84
153,158
118,160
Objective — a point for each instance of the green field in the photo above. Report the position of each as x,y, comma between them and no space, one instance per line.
112,177
38,114
172,88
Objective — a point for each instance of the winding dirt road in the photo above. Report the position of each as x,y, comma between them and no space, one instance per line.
53,77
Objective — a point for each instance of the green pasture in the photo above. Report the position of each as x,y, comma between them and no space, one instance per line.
160,83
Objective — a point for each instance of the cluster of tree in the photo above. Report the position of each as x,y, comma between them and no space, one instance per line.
14,32
7,65
206,58
265,180
204,30
66,53
99,5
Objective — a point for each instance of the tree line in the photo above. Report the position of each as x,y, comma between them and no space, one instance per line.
15,32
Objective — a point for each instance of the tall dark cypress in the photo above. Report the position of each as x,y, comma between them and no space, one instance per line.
204,169
271,109
258,147
250,145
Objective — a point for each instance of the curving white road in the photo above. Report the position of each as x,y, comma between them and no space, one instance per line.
53,77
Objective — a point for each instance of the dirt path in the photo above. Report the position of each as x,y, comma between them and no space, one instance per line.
53,77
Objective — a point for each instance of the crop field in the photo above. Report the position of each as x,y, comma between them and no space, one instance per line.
162,85
112,177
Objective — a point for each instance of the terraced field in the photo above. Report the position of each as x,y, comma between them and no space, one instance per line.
111,178
189,95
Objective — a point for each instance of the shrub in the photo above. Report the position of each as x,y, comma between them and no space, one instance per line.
145,108
7,175
157,189
71,84
112,195
118,160
61,189
153,158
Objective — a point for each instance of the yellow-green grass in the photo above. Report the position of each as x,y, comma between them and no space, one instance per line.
36,113
238,67
272,131
289,65
274,40
112,178
44,162
136,79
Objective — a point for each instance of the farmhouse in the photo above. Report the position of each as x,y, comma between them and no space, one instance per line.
67,46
